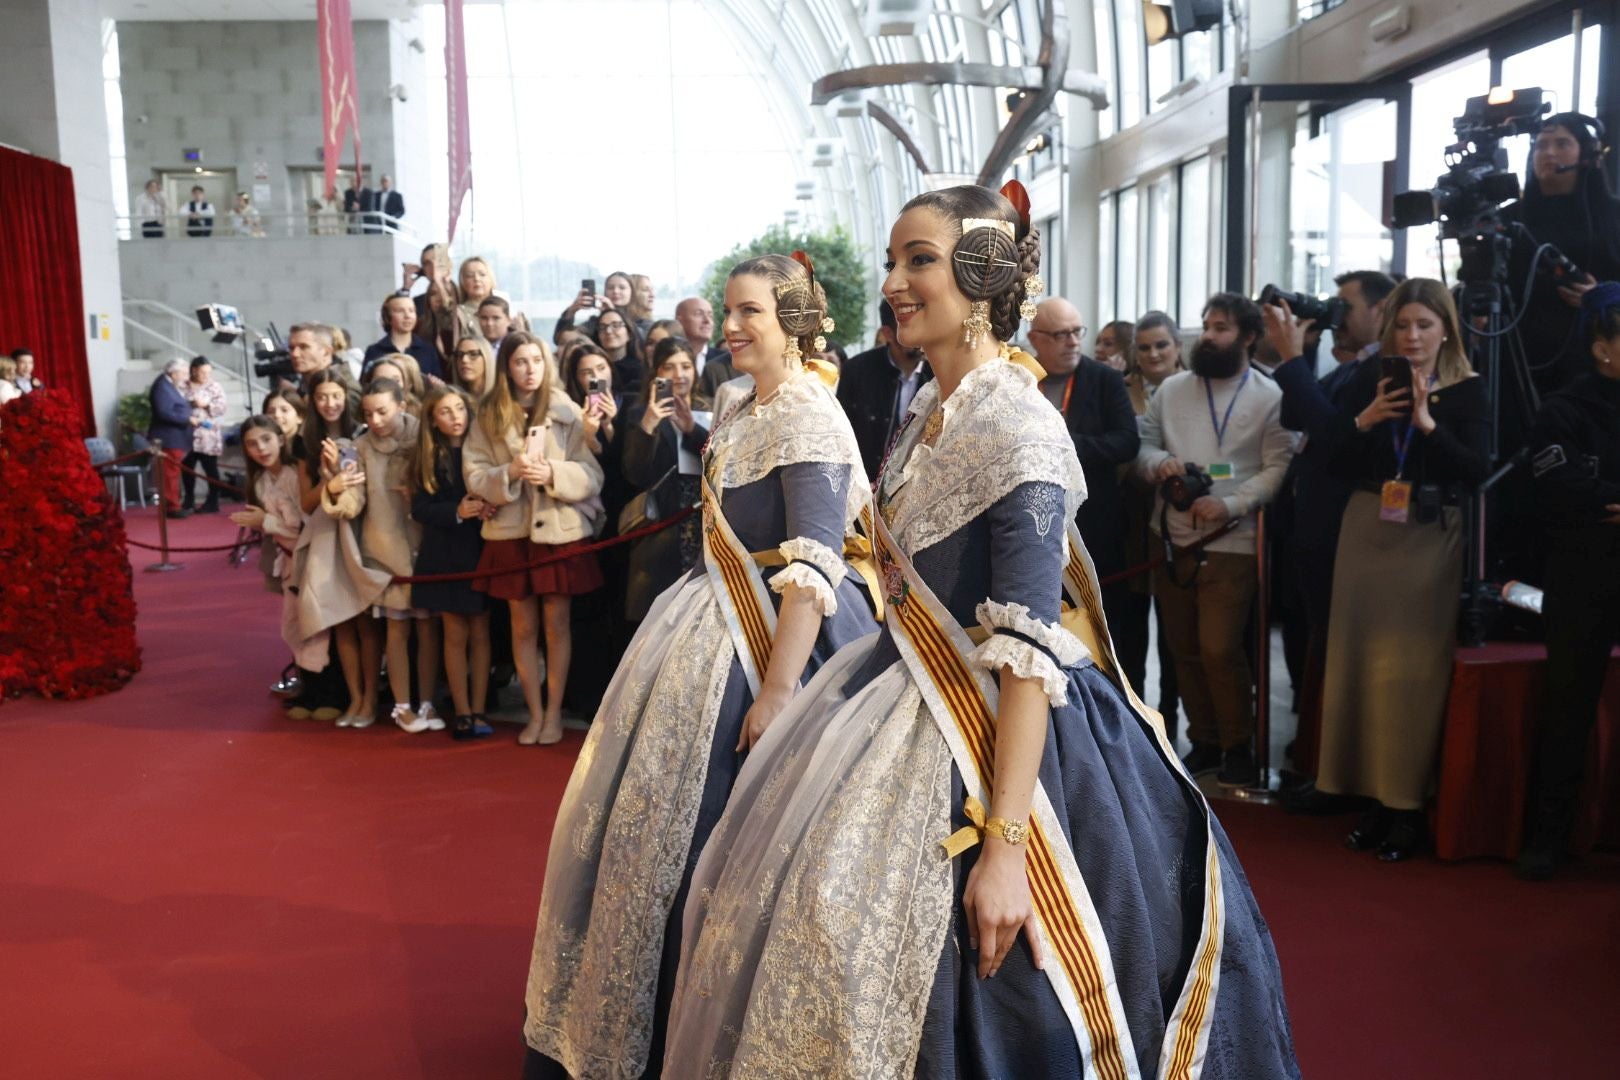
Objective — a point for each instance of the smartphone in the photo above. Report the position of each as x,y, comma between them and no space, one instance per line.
596,386
534,447
588,285
663,390
1398,370
441,260
349,459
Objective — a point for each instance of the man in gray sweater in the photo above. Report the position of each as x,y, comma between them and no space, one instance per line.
1224,417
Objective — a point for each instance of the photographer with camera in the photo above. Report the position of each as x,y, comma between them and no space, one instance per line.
1226,418
1412,434
1567,204
1311,406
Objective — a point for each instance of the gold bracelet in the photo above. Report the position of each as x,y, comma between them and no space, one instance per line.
1012,832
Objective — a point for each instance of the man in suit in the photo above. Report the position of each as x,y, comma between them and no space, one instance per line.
358,204
1096,408
696,316
1310,405
876,389
390,203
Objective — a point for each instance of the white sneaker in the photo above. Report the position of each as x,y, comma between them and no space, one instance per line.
426,712
409,721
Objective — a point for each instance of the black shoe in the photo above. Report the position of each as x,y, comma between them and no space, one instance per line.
1238,768
183,512
1202,758
1306,799
1370,830
209,508
461,728
1408,836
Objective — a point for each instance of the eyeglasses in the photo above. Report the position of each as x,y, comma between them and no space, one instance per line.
1078,333
605,327
467,354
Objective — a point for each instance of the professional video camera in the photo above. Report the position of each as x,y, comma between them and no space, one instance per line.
1466,199
272,360
1327,314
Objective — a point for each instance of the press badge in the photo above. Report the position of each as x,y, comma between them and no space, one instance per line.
1395,501
1220,470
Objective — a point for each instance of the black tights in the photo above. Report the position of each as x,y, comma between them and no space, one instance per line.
188,483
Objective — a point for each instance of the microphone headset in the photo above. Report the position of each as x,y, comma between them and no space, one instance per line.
1588,132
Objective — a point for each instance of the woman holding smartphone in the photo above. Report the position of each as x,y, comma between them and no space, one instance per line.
526,456
668,424
1414,434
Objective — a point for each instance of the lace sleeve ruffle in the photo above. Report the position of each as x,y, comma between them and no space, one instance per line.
1030,648
814,566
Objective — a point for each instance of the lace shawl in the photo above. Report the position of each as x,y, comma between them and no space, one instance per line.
803,422
998,432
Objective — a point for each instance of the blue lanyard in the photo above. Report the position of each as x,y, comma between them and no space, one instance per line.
1403,445
1220,426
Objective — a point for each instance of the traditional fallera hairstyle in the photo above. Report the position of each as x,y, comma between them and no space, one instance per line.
314,430
500,412
997,258
432,450
1452,364
254,471
801,302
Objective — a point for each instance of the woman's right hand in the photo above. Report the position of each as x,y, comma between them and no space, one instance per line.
329,458
343,481
470,506
1386,406
657,411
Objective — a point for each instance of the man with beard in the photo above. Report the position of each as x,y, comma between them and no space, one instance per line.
1225,418
876,389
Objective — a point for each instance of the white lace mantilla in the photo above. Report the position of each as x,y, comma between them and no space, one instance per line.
998,432
802,422
1025,660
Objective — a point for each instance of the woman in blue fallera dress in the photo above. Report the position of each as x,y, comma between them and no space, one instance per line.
966,850
703,678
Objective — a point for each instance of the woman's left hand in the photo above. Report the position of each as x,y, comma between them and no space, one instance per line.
1421,419
766,708
249,517
998,905
683,419
536,472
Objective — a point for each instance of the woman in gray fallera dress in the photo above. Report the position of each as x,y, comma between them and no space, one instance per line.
681,711
1088,917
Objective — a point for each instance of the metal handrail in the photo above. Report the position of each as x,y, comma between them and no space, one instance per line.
228,226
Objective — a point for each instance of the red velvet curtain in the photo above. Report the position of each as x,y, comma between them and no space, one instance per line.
41,293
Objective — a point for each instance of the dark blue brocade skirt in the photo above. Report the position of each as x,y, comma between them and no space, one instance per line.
1138,837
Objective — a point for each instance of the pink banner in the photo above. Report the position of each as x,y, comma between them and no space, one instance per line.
460,143
340,109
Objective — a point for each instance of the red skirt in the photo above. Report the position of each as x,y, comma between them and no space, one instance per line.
572,576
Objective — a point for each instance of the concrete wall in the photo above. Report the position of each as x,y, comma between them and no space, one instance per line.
50,80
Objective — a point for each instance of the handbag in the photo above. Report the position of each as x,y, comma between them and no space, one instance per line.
643,509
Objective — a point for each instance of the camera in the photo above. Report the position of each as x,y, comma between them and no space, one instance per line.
1184,490
1477,180
271,359
1328,314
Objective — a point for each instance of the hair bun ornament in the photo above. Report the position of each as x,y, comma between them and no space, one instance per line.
985,259
1013,191
796,300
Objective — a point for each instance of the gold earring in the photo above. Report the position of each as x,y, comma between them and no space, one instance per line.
1033,287
792,356
976,325
827,325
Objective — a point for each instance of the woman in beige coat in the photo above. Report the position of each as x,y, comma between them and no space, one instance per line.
377,491
527,456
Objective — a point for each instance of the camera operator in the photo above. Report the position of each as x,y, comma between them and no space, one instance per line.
1412,434
1225,418
1575,456
310,349
1566,203
1311,406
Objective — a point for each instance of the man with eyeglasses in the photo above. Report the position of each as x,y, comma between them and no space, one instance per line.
1096,407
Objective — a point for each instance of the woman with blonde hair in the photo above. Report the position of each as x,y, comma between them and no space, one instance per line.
642,298
1414,436
473,367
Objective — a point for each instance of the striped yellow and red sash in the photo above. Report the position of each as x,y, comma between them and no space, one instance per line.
740,590
1187,1031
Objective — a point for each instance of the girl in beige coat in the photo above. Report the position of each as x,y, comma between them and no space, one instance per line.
527,456
378,493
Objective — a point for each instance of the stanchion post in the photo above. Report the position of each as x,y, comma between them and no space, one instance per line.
1262,659
163,565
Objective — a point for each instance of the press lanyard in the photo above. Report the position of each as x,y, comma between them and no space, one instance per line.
1403,446
1068,392
1220,426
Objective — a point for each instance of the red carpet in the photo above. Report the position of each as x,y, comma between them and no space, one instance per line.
192,886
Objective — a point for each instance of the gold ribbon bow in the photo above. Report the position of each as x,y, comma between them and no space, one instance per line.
828,372
968,835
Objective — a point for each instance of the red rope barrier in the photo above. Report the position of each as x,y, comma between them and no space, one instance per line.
222,485
1154,563
121,459
221,547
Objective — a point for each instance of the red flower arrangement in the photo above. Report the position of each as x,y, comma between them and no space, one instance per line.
67,609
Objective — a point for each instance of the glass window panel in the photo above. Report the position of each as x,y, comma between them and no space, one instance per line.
1161,71
1128,246
1591,48
1194,256
1103,19
1129,55
1198,55
1161,233
1108,256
